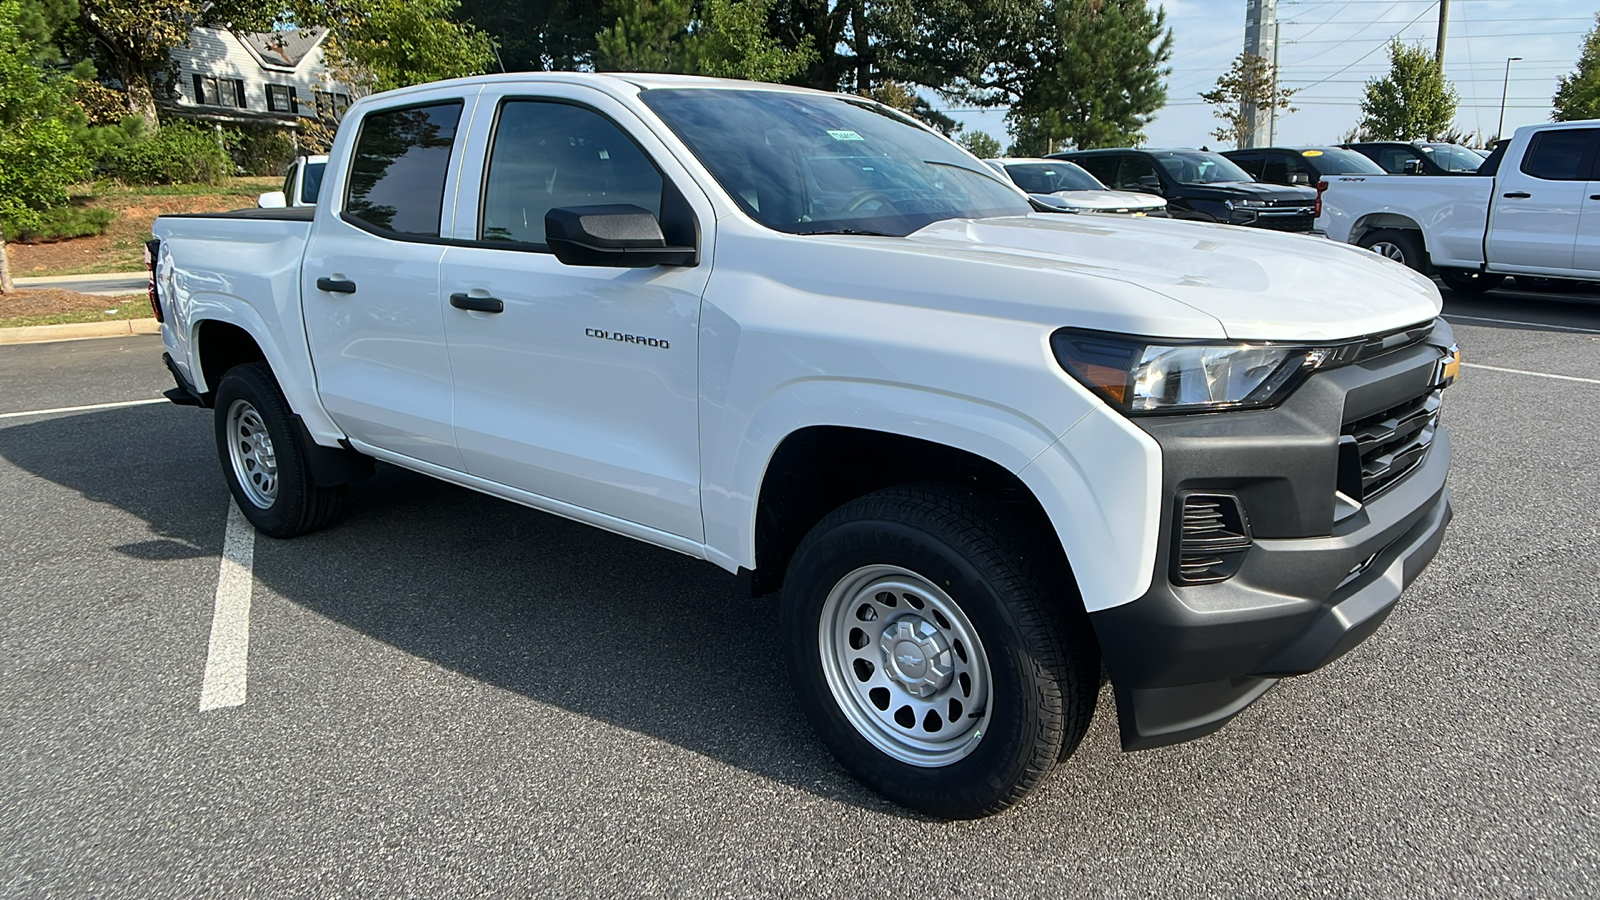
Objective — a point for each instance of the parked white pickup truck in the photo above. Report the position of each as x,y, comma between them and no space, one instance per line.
805,338
1538,215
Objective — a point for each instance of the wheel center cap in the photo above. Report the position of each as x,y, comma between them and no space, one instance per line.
917,655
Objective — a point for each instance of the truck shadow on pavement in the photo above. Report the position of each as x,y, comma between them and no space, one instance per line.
641,638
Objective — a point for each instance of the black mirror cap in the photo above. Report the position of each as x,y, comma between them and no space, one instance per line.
618,234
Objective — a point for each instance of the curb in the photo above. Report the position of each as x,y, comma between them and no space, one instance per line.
38,334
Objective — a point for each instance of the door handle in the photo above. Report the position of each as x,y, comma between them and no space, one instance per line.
336,286
1517,195
477,304
1594,196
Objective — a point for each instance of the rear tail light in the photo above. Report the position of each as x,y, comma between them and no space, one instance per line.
1316,210
1212,539
152,251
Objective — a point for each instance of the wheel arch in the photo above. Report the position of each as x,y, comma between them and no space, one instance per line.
1381,221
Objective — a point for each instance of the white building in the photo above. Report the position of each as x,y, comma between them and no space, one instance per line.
269,77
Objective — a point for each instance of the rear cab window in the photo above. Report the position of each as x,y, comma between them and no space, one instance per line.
1563,154
399,169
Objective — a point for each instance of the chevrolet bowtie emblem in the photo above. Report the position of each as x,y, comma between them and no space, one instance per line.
1448,370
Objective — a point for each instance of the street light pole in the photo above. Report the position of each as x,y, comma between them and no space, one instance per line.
1500,129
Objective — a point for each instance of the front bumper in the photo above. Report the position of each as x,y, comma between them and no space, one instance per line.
1185,658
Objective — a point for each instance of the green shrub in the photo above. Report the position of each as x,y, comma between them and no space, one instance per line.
62,223
180,153
262,149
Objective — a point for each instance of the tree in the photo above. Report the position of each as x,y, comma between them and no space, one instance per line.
1578,95
39,156
1089,73
1412,102
379,45
980,144
1248,91
722,38
537,35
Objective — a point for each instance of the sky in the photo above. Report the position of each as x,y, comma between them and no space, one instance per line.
1331,47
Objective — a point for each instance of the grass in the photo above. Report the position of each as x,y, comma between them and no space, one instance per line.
130,306
246,186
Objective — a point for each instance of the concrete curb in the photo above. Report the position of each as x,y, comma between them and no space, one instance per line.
38,334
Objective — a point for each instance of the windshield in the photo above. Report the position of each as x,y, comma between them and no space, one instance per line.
1452,157
815,164
1338,161
1047,178
1199,167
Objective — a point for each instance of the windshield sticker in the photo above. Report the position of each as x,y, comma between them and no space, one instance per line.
845,136
1311,153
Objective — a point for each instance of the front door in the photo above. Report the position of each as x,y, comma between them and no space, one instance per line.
370,283
583,387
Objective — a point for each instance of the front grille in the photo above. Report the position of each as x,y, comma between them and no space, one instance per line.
1390,341
1376,451
1284,223
1213,537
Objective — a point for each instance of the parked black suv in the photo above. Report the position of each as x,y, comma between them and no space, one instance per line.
1301,165
1202,185
1400,158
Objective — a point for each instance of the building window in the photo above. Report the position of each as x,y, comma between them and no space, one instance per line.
210,90
330,105
281,98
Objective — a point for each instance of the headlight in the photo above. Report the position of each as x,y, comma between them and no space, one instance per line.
1245,203
1142,376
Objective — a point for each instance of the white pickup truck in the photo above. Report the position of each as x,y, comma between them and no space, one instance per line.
805,338
1535,212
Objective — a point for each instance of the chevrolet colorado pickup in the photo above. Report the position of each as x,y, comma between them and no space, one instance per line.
977,452
1535,213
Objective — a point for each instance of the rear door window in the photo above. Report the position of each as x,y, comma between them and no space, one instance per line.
548,155
1137,172
398,172
1565,154
1103,168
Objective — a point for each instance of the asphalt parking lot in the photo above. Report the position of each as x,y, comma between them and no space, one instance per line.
449,695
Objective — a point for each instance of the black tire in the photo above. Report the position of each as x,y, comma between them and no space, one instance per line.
1468,282
274,491
1028,628
1404,247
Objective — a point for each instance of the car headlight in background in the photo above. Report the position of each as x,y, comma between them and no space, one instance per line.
1246,203
1151,376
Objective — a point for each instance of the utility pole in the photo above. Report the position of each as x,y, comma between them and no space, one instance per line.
1261,39
1444,23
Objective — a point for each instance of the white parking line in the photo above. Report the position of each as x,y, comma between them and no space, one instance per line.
90,407
1545,325
1535,374
227,662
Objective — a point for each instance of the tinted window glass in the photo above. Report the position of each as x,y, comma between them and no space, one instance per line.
1453,157
1199,167
1251,163
1137,172
1047,178
812,164
549,155
1336,161
1103,168
398,172
1393,159
312,183
1562,155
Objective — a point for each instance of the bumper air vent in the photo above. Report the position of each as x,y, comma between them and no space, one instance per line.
1212,539
1377,451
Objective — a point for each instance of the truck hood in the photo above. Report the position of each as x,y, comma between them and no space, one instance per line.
1258,285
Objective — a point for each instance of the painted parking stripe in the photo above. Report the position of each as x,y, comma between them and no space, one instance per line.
1535,374
91,407
227,662
1541,325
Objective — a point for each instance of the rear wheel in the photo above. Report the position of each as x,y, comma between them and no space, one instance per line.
1469,282
264,458
1401,246
938,650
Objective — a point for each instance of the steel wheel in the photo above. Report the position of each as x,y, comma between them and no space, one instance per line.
905,665
255,465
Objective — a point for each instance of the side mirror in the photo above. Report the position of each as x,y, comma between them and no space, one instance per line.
1411,167
1150,184
1299,178
272,200
618,235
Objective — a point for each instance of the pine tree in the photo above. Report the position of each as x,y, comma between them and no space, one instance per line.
1578,95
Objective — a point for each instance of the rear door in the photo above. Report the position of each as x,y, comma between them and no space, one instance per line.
583,388
1537,204
370,282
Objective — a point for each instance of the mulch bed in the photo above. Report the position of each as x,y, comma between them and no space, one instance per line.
53,301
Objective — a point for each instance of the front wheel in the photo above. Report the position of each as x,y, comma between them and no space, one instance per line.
264,458
938,650
1469,282
1403,247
